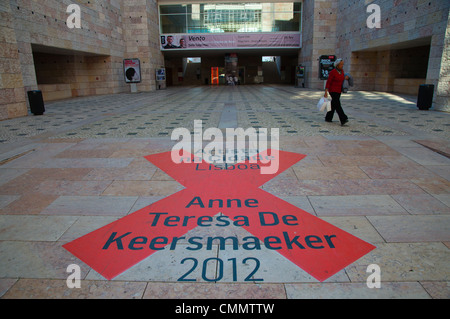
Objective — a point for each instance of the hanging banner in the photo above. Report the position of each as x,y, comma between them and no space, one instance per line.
233,40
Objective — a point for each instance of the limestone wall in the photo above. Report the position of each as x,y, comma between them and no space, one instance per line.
339,27
12,95
89,59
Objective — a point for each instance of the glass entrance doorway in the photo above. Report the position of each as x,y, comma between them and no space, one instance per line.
231,68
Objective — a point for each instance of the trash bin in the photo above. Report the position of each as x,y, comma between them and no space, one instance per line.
36,102
425,96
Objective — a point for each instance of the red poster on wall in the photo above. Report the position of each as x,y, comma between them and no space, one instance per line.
132,70
214,75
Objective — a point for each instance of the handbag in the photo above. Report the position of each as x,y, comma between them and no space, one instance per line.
347,83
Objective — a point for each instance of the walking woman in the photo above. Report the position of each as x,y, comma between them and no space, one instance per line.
334,87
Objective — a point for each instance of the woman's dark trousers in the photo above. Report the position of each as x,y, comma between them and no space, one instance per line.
336,106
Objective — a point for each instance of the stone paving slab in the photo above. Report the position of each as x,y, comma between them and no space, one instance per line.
438,146
34,228
358,226
142,188
5,200
51,289
412,228
354,205
402,290
423,156
401,262
76,169
84,225
91,205
36,259
85,162
423,203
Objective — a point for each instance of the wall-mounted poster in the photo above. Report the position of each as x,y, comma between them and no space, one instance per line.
326,64
132,70
300,71
160,74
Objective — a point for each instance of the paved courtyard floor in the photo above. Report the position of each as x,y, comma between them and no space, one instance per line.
384,178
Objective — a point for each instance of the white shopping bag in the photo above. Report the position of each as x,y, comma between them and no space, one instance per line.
321,102
328,109
324,105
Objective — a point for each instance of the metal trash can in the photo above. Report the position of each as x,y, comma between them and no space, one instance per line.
36,102
425,96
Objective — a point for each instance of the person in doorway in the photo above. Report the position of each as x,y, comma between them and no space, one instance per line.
333,86
230,80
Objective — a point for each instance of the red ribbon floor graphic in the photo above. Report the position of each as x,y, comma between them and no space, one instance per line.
314,245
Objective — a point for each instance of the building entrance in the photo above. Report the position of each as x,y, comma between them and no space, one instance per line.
223,68
231,68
